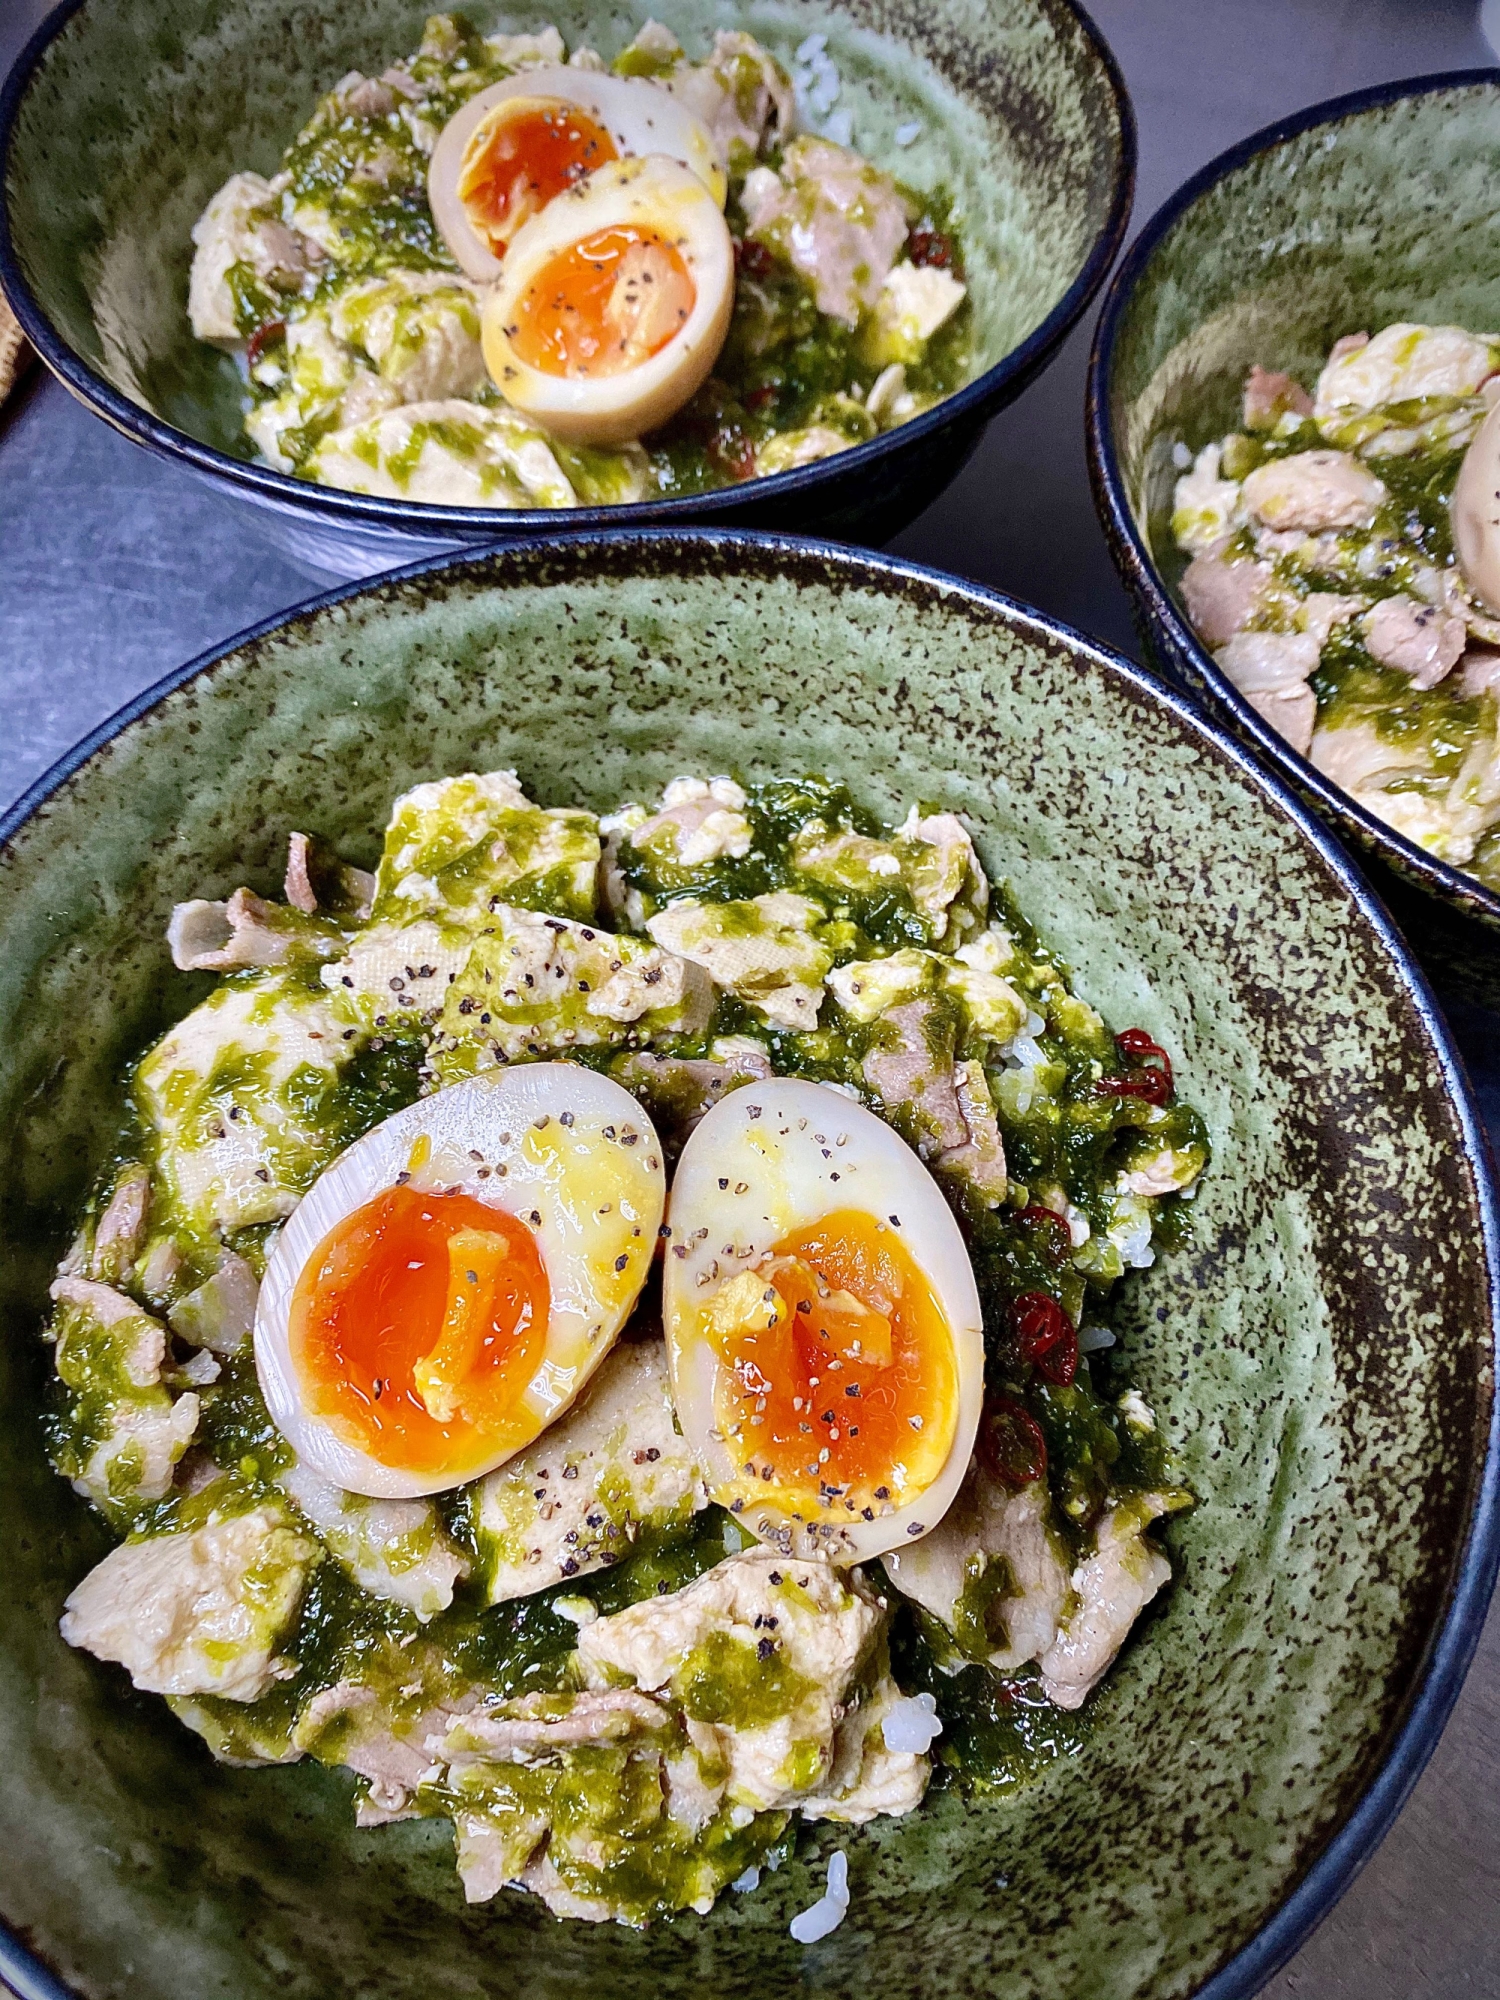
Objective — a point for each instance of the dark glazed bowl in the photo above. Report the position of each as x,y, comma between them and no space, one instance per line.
123,117
1321,1350
1365,210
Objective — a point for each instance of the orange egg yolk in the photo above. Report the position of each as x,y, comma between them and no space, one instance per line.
840,1383
417,1324
604,305
525,153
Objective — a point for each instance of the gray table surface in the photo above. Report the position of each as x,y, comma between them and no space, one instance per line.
115,567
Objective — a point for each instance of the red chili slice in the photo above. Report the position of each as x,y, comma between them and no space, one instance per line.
263,337
1035,1216
1011,1446
753,258
1045,1337
931,246
732,453
1153,1084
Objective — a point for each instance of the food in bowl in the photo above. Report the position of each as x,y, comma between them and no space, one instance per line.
1345,571
500,275
599,1329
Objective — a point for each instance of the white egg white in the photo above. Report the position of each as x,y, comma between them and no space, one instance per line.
651,194
576,1151
770,1159
1476,513
639,116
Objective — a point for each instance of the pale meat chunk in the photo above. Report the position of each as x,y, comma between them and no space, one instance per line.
395,971
867,1779
1362,761
1321,610
790,1630
576,1500
533,1728
316,879
244,932
1449,821
763,951
1112,1585
120,1234
533,1837
1420,640
1271,669
913,304
385,1734
1312,491
457,848
1404,364
110,1350
395,1549
242,225
419,328
989,1524
200,1612
947,883
1223,596
698,820
536,983
1270,396
741,93
1481,673
834,218
234,1145
445,452
945,1107
137,1343
1206,507
220,1313
678,1090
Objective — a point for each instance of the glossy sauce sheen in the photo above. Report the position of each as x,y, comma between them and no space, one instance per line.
820,1394
605,304
522,156
370,1307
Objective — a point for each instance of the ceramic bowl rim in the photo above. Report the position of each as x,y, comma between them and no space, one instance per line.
1451,1644
976,401
1127,542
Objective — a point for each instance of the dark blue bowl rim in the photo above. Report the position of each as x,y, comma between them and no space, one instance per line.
975,402
1440,1674
1128,543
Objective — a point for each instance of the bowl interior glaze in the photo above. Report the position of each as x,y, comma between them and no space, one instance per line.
139,109
1320,1349
1350,216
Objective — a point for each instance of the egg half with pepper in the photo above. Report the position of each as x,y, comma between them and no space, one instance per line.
823,1324
515,147
448,1286
613,303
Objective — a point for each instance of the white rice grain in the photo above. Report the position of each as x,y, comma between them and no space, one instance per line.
911,1724
831,1907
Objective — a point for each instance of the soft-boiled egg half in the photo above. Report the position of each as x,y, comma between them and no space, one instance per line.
1476,513
448,1286
518,145
823,1324
613,303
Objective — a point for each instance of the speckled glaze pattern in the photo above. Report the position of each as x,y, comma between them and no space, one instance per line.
1373,208
1321,1351
130,113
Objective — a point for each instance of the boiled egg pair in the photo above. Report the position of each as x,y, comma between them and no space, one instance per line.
592,207
447,1288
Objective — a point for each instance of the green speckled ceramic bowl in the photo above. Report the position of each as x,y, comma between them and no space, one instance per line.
1353,214
1321,1351
124,116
